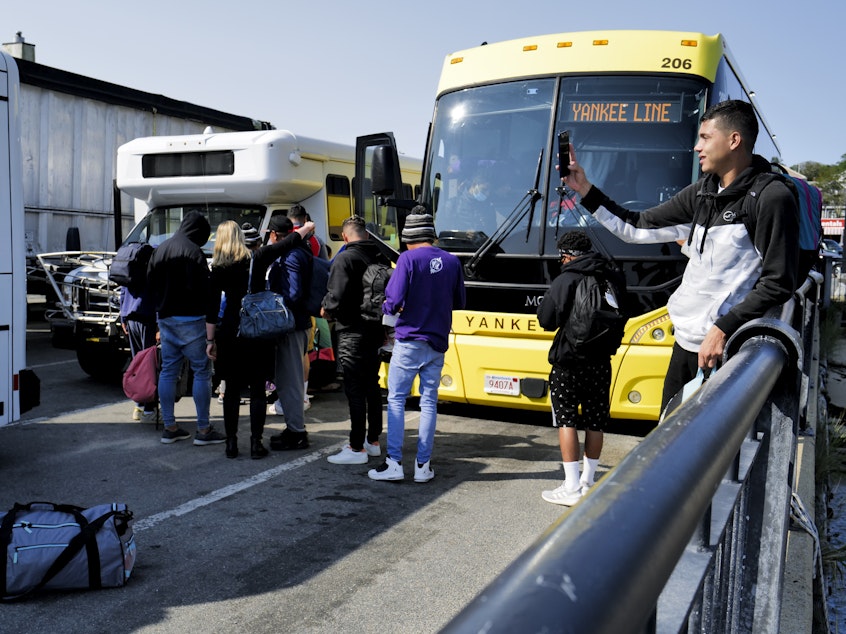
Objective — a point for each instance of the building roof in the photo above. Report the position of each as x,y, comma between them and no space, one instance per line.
49,78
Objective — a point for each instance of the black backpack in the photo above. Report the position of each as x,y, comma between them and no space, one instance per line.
129,266
374,281
595,324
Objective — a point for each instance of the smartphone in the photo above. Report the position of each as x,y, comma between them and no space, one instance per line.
564,153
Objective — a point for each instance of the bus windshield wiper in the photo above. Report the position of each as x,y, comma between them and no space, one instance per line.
526,204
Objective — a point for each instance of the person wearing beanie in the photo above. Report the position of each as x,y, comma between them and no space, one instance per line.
581,373
426,286
252,237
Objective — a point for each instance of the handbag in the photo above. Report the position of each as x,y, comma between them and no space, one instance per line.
140,381
263,315
61,546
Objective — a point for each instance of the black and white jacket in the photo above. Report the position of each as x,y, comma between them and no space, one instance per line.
731,276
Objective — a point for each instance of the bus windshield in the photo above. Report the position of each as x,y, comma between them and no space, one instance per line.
162,222
634,135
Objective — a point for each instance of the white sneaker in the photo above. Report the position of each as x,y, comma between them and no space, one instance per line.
388,470
306,404
136,412
275,409
374,450
348,455
423,472
148,417
562,496
584,486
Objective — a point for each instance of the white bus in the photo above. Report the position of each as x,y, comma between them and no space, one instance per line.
18,387
240,176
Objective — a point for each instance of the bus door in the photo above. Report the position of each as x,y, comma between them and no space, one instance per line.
378,189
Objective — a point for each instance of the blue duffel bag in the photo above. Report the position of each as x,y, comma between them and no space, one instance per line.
62,547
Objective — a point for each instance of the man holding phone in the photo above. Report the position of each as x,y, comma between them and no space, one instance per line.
739,267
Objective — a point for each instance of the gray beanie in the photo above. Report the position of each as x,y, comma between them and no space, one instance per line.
419,227
251,234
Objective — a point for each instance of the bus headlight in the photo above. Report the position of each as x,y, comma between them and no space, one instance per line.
634,397
446,380
658,334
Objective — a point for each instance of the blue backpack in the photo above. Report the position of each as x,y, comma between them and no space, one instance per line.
808,200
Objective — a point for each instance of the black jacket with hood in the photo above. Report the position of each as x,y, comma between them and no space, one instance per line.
345,292
554,310
731,276
178,273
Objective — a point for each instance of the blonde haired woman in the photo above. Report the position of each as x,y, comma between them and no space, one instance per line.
243,362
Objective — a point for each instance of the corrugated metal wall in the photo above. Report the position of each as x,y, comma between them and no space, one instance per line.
69,147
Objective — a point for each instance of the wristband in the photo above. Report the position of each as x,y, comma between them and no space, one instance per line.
209,341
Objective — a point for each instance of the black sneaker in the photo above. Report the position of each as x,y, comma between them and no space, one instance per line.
288,440
210,437
169,436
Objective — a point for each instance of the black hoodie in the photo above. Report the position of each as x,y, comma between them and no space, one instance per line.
178,274
554,310
345,292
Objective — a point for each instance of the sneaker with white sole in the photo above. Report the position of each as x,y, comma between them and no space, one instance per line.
209,437
562,496
584,487
373,449
275,409
423,472
148,417
306,404
388,470
170,436
136,412
348,455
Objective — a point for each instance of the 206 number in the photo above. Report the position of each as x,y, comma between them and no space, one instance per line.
676,62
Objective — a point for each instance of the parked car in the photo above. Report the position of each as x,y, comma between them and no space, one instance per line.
832,247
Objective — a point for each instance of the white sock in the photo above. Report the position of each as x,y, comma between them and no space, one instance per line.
571,475
589,470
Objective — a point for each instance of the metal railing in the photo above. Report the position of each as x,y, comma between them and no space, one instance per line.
689,531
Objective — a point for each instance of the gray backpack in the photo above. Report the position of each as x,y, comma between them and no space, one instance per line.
60,546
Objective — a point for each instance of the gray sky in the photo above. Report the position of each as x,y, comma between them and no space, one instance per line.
336,69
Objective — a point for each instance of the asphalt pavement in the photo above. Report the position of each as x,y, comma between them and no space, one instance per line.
290,543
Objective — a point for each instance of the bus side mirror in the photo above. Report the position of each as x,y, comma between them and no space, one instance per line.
382,170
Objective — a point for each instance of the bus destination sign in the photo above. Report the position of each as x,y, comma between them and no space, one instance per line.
619,111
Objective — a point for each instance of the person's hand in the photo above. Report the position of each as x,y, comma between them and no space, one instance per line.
711,350
211,350
577,180
306,230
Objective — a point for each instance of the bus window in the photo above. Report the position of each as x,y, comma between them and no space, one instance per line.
338,204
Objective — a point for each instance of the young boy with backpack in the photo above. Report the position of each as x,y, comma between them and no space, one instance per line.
584,304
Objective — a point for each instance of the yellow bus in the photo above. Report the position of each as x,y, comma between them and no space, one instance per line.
632,102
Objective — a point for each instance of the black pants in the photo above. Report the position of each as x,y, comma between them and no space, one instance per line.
683,367
242,363
358,354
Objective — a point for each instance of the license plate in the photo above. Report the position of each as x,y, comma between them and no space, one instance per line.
499,384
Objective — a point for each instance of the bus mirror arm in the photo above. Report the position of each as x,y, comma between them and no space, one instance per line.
398,203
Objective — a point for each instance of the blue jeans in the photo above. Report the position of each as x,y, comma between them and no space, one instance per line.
410,359
184,339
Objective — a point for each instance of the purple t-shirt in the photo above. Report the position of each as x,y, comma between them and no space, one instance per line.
428,284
